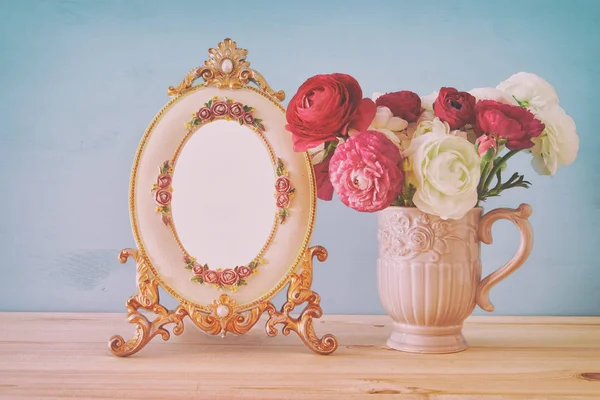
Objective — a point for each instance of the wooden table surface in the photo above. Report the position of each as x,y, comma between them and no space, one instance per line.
60,356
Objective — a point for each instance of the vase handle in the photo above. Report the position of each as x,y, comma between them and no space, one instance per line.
519,217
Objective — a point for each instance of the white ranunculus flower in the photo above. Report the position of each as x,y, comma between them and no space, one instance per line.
436,126
386,123
495,94
446,171
376,95
530,90
558,144
427,101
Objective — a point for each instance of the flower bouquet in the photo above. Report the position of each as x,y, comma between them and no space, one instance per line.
443,153
426,164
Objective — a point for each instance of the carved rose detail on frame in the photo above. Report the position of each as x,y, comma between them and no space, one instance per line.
162,191
229,278
405,237
226,109
236,110
220,108
284,192
211,276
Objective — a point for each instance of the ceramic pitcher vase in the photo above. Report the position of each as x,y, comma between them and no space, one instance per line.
429,273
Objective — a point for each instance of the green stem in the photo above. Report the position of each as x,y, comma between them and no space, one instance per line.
484,173
496,168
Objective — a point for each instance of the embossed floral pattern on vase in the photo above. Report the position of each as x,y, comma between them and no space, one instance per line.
403,235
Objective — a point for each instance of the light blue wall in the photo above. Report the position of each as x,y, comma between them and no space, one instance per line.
80,80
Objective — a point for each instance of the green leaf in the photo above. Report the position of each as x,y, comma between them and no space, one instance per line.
247,108
209,104
280,167
523,104
292,190
205,267
188,266
197,278
253,264
330,148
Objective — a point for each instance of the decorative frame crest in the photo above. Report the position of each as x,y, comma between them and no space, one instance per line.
226,68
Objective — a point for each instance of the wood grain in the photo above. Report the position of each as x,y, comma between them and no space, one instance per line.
60,356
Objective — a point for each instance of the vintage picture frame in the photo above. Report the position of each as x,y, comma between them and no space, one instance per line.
227,294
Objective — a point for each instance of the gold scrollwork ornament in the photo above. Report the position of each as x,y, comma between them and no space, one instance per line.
226,67
224,315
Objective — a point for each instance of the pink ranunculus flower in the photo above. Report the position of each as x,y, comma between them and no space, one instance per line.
485,144
365,171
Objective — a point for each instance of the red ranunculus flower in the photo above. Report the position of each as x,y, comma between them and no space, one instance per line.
325,107
516,124
324,186
454,107
404,104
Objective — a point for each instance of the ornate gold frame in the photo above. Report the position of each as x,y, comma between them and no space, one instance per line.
226,68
